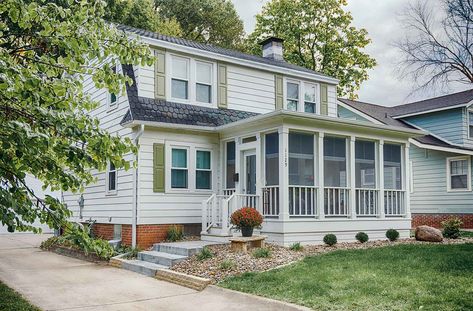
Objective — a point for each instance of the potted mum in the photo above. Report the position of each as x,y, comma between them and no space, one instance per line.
246,219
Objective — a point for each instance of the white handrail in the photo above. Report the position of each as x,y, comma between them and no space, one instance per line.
206,224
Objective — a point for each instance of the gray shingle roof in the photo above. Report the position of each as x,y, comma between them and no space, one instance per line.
158,110
218,50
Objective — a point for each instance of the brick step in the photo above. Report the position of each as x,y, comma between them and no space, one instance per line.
142,267
160,258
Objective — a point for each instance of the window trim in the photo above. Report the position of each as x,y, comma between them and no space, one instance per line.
109,191
197,149
468,120
211,82
171,167
315,97
449,176
298,104
112,105
301,100
188,80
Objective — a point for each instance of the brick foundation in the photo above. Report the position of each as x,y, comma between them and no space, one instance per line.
434,220
103,231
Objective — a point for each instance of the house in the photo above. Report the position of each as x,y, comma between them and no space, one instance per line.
440,161
218,130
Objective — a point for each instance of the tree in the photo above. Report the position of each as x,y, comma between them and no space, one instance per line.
208,21
317,35
438,47
46,50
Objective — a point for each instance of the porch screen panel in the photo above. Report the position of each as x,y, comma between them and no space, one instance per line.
272,159
301,159
392,167
230,164
365,164
335,162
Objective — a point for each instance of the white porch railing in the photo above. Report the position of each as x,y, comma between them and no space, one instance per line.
302,201
228,192
394,203
366,202
271,201
336,201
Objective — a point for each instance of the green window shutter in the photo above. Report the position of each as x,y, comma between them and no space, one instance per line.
222,86
160,74
278,90
323,99
158,168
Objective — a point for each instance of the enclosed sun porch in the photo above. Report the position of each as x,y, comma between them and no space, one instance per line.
310,175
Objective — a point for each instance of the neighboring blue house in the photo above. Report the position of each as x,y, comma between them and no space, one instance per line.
441,162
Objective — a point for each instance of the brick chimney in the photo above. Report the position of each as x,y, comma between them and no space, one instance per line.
273,48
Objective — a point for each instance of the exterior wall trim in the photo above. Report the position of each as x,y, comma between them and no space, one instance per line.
438,148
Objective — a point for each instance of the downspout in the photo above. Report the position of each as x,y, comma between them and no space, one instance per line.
135,189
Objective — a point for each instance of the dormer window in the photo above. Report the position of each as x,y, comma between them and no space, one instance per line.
301,96
203,82
309,97
180,78
292,96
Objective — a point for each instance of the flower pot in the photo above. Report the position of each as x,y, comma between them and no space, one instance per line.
247,231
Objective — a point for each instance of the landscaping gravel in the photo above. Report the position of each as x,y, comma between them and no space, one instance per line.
237,263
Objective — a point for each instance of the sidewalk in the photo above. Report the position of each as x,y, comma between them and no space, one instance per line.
55,282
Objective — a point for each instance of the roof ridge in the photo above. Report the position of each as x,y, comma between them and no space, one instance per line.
434,98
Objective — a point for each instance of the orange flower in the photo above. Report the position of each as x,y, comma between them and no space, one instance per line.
246,217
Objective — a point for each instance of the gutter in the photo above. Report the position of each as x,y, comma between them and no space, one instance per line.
134,212
439,148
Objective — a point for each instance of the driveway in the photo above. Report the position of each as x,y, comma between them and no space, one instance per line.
55,282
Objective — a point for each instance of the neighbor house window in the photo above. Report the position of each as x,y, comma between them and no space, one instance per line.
113,96
335,162
459,174
292,97
179,169
301,159
111,178
470,124
309,98
272,159
230,164
364,164
392,167
203,82
180,78
203,171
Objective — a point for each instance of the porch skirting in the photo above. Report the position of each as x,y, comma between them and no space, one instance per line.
310,231
435,220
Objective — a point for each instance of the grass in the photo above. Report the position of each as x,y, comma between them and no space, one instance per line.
12,301
401,277
466,234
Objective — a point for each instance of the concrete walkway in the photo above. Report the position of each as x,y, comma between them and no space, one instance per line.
55,282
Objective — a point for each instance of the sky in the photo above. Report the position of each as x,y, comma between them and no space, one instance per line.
382,21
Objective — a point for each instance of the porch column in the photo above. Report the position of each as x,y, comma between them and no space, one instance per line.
381,213
352,181
320,175
407,179
259,173
283,173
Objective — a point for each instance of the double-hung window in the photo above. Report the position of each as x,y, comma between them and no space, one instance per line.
112,100
203,82
179,169
180,78
470,124
111,178
459,174
203,170
292,98
309,98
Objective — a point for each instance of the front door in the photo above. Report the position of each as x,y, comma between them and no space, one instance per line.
249,182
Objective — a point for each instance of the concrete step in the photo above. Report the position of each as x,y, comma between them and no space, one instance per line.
186,248
215,237
143,267
160,258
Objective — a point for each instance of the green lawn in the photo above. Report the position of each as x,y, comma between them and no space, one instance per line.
401,277
467,234
12,301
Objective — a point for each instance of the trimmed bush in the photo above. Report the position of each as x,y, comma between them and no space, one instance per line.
392,235
204,254
330,239
362,237
261,253
296,247
174,233
451,228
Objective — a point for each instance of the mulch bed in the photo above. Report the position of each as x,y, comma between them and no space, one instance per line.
212,268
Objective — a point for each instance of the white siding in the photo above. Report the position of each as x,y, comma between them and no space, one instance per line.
332,101
145,81
98,205
250,90
174,206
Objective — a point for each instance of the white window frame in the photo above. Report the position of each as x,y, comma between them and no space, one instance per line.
211,82
108,191
203,169
468,124
301,99
449,180
286,98
171,77
187,149
112,105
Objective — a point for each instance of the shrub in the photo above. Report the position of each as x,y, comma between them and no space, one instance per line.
451,227
174,233
330,239
261,253
392,235
227,264
204,254
49,243
362,237
131,252
246,217
296,247
79,237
